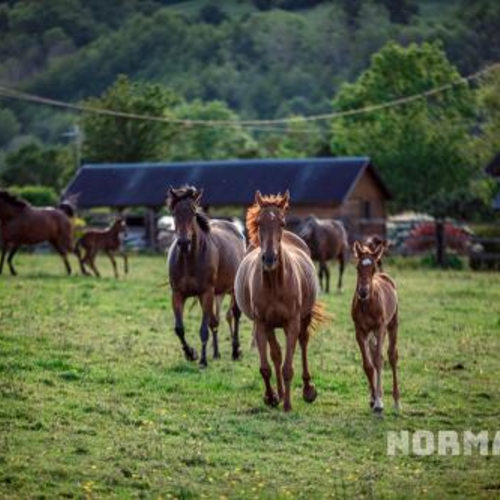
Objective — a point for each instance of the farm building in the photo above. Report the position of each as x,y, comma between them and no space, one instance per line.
345,188
493,168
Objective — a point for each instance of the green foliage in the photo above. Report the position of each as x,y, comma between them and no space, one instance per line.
40,196
9,126
32,164
111,139
420,147
209,143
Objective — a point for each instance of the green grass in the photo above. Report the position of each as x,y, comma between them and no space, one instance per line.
97,401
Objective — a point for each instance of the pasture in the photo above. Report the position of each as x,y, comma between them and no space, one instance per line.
96,399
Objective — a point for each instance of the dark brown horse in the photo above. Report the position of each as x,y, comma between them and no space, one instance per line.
276,287
102,240
327,240
375,313
202,262
23,224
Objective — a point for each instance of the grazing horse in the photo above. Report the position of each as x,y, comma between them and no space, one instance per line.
102,240
276,287
202,262
375,312
23,224
326,239
373,242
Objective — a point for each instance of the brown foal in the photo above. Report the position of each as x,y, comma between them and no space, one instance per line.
102,240
375,312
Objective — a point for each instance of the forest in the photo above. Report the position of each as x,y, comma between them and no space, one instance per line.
257,59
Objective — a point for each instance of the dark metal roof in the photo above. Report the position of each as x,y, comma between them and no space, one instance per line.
496,202
310,181
493,167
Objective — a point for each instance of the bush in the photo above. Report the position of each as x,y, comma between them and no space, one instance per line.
40,196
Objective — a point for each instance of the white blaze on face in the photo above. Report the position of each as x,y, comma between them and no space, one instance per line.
366,262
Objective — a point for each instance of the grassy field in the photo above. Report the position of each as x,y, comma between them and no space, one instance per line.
97,401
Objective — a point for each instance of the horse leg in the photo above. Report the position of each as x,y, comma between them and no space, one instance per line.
292,331
2,258
341,270
270,397
91,262
327,274
367,363
207,306
309,391
178,301
277,361
60,248
113,262
12,252
125,262
81,260
379,363
392,354
320,276
235,331
214,325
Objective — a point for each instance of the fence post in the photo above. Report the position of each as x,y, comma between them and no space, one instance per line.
440,243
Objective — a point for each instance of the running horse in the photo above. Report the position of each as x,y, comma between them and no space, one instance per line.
102,240
327,240
23,224
202,262
375,314
276,287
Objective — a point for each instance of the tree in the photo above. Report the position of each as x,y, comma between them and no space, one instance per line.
210,143
32,164
420,147
121,140
9,126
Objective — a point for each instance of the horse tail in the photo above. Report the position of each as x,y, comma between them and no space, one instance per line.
319,317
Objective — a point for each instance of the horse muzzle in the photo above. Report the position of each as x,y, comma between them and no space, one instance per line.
363,293
184,244
269,261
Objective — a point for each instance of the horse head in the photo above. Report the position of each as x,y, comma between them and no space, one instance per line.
184,204
270,224
366,265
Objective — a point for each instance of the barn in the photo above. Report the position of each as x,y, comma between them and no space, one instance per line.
349,189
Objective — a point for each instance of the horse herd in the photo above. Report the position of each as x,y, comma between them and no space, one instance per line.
271,279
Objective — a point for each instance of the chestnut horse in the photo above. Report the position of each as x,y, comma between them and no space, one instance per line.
102,240
202,262
327,240
23,224
375,312
276,287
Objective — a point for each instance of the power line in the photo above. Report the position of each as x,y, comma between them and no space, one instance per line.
249,124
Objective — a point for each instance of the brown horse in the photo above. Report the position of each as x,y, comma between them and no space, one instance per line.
102,240
23,224
375,312
202,262
327,240
373,242
276,287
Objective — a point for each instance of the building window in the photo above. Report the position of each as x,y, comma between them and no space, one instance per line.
367,210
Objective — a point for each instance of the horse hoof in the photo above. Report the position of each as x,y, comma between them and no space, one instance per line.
287,408
191,354
271,400
216,355
397,407
378,411
310,394
236,355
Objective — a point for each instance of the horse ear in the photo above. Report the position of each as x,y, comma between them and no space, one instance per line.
356,249
259,200
171,197
379,251
285,200
197,195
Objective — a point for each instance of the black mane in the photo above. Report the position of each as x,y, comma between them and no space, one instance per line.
13,199
189,193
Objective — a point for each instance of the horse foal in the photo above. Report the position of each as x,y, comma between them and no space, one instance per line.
102,240
375,312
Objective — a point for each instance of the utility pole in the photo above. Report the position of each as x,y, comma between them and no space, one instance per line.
75,135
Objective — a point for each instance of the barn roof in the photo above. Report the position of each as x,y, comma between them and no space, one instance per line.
493,167
234,182
496,202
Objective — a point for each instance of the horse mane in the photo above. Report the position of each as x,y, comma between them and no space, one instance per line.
252,225
189,193
13,199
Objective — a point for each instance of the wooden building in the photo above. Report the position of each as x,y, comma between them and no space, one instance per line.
349,189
